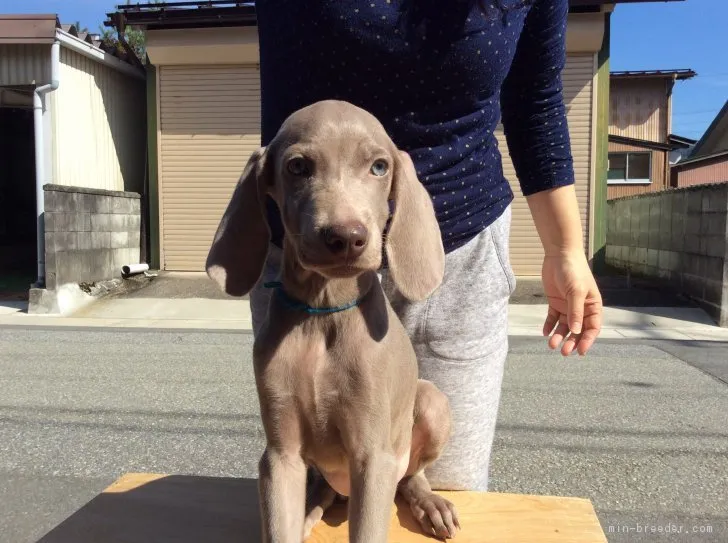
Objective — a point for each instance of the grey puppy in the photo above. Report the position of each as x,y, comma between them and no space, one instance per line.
336,373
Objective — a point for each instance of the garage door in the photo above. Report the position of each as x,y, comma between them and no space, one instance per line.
526,250
209,126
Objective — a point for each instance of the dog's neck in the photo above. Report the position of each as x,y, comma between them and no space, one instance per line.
318,291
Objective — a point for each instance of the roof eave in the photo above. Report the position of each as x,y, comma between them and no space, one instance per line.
647,144
678,75
163,18
680,142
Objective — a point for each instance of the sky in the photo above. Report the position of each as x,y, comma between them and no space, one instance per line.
690,34
645,36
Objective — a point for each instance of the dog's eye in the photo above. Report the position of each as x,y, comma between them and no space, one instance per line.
298,166
380,167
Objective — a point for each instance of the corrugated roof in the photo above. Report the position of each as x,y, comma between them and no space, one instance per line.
71,29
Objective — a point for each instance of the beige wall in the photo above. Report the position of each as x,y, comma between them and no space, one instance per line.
237,45
638,108
99,126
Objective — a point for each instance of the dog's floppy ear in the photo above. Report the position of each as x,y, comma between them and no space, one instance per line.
414,243
240,246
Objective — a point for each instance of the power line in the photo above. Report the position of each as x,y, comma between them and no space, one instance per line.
703,112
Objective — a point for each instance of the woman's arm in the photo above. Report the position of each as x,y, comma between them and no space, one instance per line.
575,304
556,214
536,129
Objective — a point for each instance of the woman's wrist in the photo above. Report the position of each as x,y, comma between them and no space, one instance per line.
558,221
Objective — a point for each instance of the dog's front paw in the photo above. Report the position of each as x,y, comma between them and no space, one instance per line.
436,515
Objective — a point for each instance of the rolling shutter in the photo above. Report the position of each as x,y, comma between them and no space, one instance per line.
526,251
209,126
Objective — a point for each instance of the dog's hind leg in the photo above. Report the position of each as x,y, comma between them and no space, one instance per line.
319,497
436,515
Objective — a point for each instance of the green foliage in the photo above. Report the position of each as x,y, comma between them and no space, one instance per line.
137,40
133,36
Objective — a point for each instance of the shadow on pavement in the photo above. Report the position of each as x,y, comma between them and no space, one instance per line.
616,290
173,508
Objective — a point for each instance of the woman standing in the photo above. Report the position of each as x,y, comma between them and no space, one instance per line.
438,74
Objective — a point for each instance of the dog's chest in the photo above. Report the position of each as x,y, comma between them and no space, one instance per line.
311,375
320,381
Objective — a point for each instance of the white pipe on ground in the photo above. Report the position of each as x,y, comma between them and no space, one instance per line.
133,269
38,95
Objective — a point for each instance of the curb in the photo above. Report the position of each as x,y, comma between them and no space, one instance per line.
72,297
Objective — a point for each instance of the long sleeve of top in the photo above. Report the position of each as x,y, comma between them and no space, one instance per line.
437,74
532,104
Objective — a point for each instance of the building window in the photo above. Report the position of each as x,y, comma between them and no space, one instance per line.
629,168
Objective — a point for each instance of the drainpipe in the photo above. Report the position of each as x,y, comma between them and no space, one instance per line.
38,95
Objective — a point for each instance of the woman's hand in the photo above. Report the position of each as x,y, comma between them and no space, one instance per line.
575,304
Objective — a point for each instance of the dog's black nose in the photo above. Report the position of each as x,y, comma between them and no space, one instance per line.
346,239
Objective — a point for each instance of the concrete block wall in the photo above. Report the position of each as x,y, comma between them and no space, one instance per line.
89,234
678,237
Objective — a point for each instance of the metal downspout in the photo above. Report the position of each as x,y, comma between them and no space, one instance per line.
38,96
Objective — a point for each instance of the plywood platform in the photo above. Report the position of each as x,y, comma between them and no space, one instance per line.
150,508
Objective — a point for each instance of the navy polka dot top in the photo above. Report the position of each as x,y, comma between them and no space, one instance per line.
439,75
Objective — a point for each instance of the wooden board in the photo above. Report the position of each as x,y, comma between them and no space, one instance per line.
151,508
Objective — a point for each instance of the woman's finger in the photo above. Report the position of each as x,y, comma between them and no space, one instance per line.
575,310
570,344
558,336
586,341
552,319
592,326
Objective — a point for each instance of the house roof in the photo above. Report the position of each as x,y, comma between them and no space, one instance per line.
715,138
40,29
25,28
184,14
720,156
681,141
679,74
45,29
211,13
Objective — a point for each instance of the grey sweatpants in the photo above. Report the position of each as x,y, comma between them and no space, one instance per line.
460,336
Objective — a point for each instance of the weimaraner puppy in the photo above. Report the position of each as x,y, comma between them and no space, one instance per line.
335,371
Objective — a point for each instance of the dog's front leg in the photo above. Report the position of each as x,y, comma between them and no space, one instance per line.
373,486
282,489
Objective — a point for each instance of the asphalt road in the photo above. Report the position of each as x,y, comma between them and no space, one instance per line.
641,433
